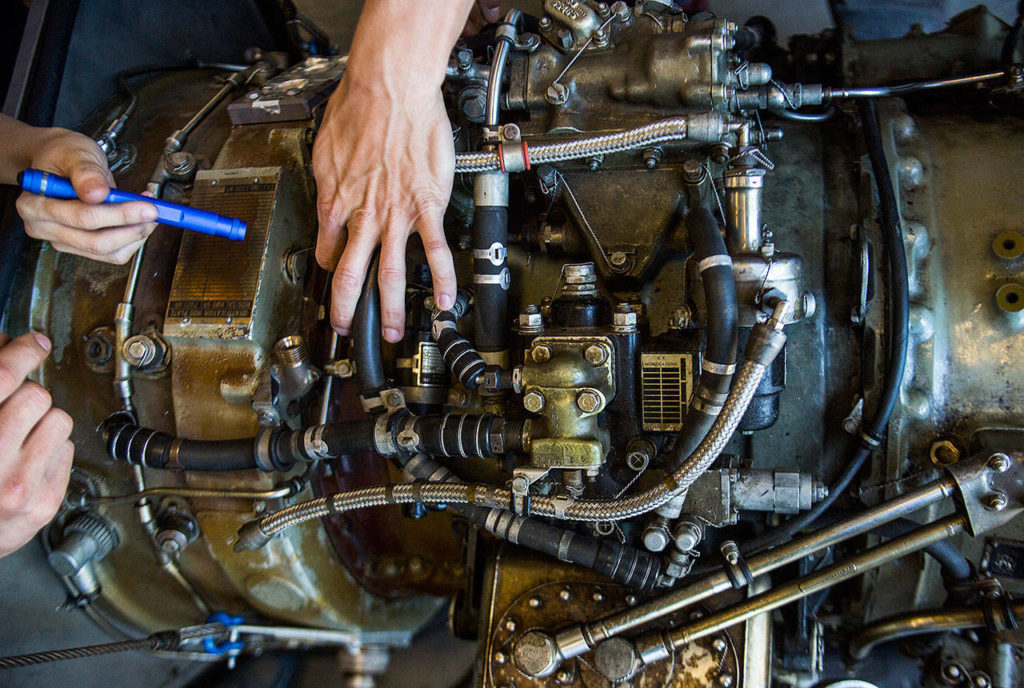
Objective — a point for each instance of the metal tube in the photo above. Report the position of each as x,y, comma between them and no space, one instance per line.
494,81
808,585
915,623
903,89
643,614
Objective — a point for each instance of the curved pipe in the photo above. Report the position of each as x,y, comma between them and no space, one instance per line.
505,40
719,360
916,623
366,334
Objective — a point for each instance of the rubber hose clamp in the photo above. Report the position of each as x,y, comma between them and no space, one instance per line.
739,573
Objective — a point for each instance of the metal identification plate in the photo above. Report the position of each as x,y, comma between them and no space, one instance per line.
216,286
666,381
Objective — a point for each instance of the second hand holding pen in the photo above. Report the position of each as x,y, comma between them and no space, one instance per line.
173,214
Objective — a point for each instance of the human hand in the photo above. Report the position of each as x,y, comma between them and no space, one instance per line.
35,452
384,161
110,232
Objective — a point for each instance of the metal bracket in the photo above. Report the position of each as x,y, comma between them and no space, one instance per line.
522,478
991,487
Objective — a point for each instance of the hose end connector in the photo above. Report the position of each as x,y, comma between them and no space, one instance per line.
251,537
767,338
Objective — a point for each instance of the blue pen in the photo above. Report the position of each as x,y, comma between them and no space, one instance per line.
55,186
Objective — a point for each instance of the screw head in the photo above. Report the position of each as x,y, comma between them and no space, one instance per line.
534,603
510,626
718,645
597,597
1000,463
533,401
540,354
618,259
500,658
545,23
588,401
565,594
637,460
725,680
465,58
557,94
595,354
995,501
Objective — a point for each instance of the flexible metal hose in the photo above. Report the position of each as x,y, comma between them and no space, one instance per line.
671,129
255,533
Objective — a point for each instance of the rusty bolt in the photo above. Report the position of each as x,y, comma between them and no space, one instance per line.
533,401
540,354
595,354
588,401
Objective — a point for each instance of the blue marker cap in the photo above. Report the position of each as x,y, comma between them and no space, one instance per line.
173,214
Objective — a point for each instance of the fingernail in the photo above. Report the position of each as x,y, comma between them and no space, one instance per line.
42,340
148,213
392,335
444,302
343,331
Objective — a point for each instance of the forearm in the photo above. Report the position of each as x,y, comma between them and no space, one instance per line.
402,48
18,141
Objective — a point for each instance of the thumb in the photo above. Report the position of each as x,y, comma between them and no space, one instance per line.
90,180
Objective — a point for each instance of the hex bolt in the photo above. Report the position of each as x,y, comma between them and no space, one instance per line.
540,354
140,350
995,501
1000,463
595,354
693,171
601,38
588,401
652,156
533,401
394,399
545,23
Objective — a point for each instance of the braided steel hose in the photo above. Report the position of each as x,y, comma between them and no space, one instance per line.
662,131
257,532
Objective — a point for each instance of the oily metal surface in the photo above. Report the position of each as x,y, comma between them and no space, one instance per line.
695,665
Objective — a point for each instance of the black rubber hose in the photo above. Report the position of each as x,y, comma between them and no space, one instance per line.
366,334
871,432
459,355
276,449
490,234
618,561
719,362
956,569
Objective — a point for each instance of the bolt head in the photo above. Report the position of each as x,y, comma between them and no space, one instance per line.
637,460
510,626
534,603
618,259
565,594
718,645
725,680
557,94
533,401
531,321
995,501
1000,463
624,318
596,354
540,354
510,132
588,401
597,597
545,22
465,58
500,658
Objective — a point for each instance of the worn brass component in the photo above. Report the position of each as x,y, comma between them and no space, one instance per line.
569,383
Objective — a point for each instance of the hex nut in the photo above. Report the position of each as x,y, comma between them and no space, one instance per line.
531,321
588,401
533,401
1000,463
995,501
540,354
596,354
944,452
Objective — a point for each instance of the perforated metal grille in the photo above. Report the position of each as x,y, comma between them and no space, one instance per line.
665,381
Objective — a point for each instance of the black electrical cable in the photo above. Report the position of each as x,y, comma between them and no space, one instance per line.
872,430
366,334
